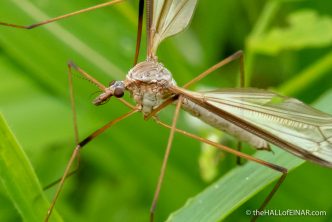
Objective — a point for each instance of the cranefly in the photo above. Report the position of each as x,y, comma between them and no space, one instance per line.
255,116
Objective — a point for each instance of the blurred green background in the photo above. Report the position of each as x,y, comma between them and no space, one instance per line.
287,46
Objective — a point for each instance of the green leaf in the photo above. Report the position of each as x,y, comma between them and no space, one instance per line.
306,29
225,195
20,180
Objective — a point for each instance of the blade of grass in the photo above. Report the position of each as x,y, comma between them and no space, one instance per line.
308,76
225,195
269,12
20,180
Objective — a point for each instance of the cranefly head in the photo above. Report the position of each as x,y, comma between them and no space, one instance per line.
116,88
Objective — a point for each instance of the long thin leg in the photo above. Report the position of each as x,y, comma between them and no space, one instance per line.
71,66
163,168
139,29
275,167
237,55
72,100
73,172
48,186
149,31
76,152
61,17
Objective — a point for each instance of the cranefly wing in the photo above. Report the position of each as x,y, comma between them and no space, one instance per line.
169,17
285,122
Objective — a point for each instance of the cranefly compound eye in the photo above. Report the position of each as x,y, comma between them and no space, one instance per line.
118,92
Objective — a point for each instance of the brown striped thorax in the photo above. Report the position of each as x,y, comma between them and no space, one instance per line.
148,83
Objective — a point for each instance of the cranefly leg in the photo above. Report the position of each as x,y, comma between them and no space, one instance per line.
72,65
76,151
139,30
164,165
235,56
275,167
61,17
80,145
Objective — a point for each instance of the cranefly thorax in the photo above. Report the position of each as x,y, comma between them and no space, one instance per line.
148,83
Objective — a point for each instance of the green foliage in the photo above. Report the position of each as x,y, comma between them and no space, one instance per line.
306,29
19,179
120,169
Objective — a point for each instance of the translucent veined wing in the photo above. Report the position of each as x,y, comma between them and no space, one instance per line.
169,17
285,122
